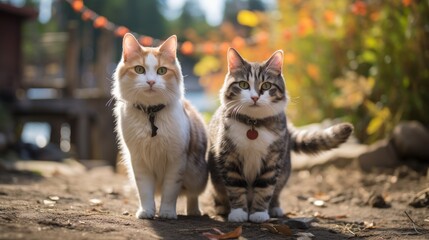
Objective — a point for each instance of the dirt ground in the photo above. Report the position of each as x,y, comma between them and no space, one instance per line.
100,204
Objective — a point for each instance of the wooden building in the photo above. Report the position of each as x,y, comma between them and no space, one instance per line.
84,110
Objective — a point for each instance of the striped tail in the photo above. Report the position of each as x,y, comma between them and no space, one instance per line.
313,142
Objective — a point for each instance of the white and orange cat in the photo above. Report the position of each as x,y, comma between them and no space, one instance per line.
161,136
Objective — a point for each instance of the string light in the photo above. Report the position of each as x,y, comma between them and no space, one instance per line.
100,22
186,48
146,41
77,5
121,31
303,28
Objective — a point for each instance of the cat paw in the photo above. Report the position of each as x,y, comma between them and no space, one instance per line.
193,212
192,208
258,217
145,214
238,215
221,210
276,212
168,213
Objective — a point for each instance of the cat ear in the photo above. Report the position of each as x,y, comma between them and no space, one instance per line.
130,46
275,62
234,59
169,48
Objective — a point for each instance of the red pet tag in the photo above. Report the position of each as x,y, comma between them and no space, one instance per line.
252,134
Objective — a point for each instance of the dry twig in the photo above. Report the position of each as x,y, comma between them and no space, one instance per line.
414,223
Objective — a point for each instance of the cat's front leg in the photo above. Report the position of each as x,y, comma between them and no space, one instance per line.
237,194
171,187
263,189
146,190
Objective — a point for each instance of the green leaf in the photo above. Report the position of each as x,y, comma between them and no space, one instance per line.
406,82
368,56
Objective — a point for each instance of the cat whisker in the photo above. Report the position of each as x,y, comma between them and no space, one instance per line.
237,111
230,106
109,102
272,109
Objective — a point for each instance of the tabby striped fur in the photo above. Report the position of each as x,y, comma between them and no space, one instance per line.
315,141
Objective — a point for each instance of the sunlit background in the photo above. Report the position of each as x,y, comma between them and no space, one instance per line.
363,61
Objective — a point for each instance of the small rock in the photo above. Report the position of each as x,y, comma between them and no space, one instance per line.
421,199
54,198
49,203
338,199
302,197
411,140
301,223
381,154
95,202
377,201
319,203
369,225
125,213
304,236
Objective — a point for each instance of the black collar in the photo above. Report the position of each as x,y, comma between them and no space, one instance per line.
254,122
150,110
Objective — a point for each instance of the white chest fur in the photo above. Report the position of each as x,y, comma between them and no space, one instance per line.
154,153
251,151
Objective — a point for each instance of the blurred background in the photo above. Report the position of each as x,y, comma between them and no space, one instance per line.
364,61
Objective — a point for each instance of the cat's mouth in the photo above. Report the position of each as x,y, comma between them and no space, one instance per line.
150,90
254,105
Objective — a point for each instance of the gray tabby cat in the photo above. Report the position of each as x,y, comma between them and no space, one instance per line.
250,140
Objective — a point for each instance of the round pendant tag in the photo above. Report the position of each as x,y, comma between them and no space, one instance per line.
252,134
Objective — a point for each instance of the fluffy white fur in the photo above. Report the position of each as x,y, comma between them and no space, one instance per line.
251,150
259,217
238,215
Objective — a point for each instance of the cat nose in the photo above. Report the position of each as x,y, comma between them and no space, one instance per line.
254,98
150,82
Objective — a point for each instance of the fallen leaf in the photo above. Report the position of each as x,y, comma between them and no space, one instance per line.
322,196
277,228
321,216
234,234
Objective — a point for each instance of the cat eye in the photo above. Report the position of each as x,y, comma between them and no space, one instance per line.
139,69
244,85
266,85
161,71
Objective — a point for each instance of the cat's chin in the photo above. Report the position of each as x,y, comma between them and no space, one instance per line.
150,91
256,112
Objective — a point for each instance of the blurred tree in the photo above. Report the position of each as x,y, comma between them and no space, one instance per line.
364,60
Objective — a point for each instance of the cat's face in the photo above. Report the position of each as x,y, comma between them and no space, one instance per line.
148,75
254,89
